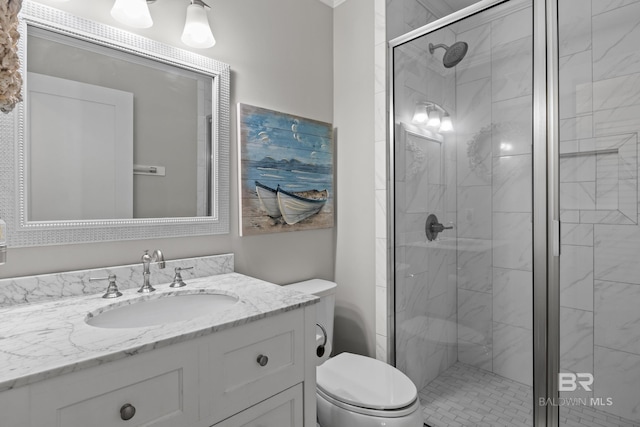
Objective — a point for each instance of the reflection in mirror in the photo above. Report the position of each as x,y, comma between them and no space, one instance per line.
113,135
119,137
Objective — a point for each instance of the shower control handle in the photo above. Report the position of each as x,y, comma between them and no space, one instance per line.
433,227
439,228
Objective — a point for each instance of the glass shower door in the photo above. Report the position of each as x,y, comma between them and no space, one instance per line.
463,295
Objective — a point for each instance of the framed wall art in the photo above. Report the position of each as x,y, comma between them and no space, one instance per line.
286,172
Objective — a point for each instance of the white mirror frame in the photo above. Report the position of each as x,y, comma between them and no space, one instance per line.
14,167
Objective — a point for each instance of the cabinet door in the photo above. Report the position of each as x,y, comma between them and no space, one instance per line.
252,362
161,386
14,407
282,410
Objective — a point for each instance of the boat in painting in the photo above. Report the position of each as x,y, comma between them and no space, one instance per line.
269,199
296,206
292,206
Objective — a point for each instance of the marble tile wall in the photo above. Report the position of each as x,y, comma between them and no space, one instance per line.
600,103
383,314
494,86
425,297
393,18
46,287
600,114
425,271
484,303
403,16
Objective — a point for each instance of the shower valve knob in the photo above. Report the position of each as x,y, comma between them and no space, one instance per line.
439,228
433,227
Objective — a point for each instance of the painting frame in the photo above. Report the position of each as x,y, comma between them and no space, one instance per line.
286,178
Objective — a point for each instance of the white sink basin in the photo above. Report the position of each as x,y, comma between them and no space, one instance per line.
162,310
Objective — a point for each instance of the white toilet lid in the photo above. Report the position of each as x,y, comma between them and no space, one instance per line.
365,382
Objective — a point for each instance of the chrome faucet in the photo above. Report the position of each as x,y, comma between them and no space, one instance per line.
147,259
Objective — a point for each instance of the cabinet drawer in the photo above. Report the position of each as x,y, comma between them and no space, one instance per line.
259,360
162,386
248,365
282,410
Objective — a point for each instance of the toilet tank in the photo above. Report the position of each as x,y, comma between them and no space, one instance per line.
326,291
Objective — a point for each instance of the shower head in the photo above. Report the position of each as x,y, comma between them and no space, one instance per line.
453,54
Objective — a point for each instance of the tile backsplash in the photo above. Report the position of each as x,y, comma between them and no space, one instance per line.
46,287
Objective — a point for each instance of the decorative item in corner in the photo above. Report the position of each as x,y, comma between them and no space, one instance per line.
286,172
10,78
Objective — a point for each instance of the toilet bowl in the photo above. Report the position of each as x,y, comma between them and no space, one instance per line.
359,391
354,390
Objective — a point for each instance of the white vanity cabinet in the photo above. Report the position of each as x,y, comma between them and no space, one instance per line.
161,386
249,364
281,410
14,407
261,373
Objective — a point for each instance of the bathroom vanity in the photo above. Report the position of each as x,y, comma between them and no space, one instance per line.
250,362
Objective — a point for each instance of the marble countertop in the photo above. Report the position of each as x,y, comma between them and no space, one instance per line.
44,340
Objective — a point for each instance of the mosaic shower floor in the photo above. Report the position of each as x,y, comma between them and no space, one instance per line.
464,396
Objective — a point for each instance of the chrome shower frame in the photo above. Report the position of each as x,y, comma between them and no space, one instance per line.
545,213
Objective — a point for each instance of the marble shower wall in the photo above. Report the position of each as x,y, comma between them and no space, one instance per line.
494,100
480,311
600,122
425,272
425,183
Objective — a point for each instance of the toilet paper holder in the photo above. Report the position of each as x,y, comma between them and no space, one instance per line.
321,348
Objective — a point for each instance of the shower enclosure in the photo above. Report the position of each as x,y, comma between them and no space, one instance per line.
514,205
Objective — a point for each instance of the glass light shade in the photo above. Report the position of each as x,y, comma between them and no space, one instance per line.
134,13
446,125
197,32
420,115
434,120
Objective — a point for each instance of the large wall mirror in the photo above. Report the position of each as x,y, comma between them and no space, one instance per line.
118,137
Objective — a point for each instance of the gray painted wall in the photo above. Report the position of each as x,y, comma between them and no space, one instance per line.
354,119
281,57
165,133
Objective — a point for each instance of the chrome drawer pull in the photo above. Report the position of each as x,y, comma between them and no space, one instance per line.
263,360
127,411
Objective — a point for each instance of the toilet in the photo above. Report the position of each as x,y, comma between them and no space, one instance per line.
354,390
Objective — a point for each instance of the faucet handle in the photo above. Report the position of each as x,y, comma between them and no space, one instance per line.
112,288
177,279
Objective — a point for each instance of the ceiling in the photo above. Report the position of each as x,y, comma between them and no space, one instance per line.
443,7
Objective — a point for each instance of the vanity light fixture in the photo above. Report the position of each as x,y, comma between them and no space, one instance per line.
446,125
434,119
197,32
420,114
134,13
432,115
